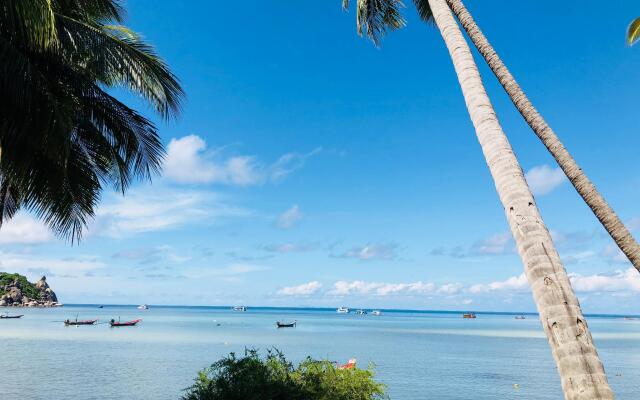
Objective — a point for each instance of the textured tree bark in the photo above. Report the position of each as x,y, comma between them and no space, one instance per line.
581,371
605,214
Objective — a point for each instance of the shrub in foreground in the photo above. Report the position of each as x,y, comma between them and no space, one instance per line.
272,377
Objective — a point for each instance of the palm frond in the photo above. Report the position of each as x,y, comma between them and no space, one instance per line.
633,33
91,10
117,56
375,17
29,23
424,10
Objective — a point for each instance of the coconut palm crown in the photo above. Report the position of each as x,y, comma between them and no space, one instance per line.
633,33
63,136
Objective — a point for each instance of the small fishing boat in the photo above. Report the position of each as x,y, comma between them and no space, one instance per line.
361,312
520,317
115,323
81,322
143,307
286,325
349,365
468,315
342,310
240,308
100,306
376,312
7,316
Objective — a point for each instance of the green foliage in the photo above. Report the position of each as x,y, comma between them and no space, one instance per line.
62,135
633,34
28,289
252,377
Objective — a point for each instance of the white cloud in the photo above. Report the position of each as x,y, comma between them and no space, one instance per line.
157,209
289,248
372,251
543,179
515,283
289,218
344,288
24,229
619,281
497,244
189,162
34,266
304,289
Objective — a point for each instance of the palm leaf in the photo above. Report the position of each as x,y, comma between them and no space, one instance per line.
29,22
375,17
424,10
633,34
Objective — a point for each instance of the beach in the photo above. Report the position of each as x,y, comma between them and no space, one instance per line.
418,355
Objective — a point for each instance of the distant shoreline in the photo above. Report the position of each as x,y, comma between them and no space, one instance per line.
332,309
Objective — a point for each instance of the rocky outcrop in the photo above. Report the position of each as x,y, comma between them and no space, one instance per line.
17,291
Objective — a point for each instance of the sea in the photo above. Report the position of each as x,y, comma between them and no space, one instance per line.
416,354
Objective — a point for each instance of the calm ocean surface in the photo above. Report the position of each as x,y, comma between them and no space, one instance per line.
419,355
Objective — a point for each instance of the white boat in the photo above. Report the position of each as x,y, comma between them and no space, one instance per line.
143,307
361,312
240,308
342,310
376,312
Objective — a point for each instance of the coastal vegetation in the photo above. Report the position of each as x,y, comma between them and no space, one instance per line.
63,135
581,371
28,289
17,291
272,377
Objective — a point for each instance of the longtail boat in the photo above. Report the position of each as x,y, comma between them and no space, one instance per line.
81,322
10,316
114,323
286,325
468,315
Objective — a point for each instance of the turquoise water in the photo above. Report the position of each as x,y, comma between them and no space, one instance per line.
419,355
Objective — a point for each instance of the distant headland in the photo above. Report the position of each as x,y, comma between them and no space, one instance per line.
17,291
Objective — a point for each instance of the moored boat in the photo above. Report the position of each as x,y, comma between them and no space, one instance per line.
286,324
361,312
81,322
342,310
468,315
520,317
7,316
240,308
143,307
376,312
115,323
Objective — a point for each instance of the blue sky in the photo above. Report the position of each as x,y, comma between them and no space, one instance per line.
311,168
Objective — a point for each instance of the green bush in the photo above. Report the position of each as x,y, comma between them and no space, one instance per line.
252,377
28,289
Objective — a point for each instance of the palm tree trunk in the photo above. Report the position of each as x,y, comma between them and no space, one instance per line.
581,371
605,214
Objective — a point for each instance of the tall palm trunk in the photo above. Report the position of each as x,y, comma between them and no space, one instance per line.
580,181
581,371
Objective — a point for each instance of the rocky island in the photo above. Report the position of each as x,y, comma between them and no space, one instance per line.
17,291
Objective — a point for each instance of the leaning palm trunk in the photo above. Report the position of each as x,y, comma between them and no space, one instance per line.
581,371
580,181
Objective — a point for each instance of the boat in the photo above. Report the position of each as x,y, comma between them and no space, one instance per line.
468,315
342,310
100,306
7,316
143,307
115,323
286,325
349,365
361,312
376,312
240,308
81,322
520,317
